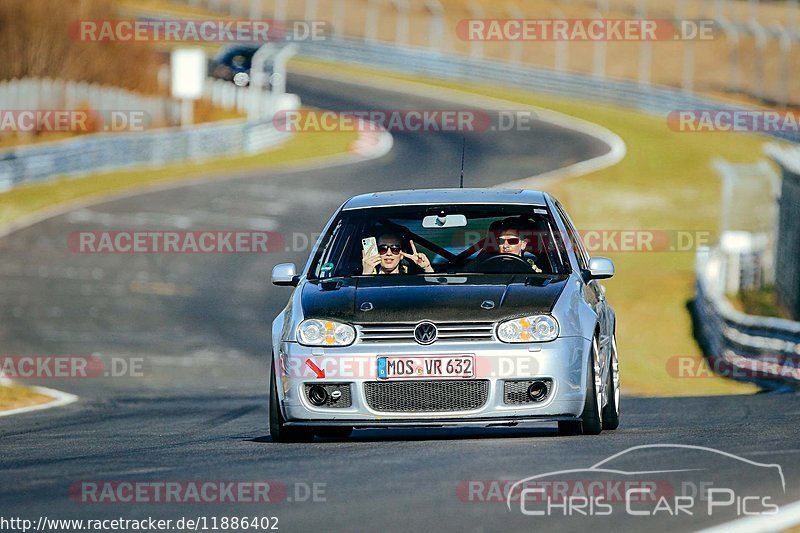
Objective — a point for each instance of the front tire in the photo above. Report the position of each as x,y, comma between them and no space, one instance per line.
611,410
591,422
278,429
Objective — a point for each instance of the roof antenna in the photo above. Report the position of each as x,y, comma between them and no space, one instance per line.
463,151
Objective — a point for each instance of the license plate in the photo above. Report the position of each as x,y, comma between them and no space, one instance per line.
435,366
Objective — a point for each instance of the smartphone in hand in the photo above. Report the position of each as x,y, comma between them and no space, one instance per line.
370,246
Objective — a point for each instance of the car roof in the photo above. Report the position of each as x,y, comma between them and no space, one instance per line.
447,196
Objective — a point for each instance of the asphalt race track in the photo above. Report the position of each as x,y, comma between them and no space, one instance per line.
200,326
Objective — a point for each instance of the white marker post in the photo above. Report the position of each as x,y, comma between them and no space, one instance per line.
189,70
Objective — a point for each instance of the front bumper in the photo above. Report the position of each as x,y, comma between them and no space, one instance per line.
563,361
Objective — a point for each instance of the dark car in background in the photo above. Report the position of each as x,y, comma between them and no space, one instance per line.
233,63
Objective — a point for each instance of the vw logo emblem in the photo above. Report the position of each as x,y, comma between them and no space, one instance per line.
366,306
487,304
425,333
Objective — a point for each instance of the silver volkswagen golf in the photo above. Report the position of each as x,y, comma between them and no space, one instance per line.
445,307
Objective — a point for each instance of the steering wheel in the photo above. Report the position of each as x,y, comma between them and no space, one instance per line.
500,263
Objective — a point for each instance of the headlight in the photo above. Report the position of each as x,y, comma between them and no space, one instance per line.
315,332
537,328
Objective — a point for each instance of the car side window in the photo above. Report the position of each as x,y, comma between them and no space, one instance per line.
575,239
324,264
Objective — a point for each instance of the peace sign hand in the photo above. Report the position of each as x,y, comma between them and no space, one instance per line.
419,259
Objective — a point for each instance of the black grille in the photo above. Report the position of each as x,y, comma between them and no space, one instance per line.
516,392
447,332
345,400
426,395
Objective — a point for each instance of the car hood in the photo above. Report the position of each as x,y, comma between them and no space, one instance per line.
437,298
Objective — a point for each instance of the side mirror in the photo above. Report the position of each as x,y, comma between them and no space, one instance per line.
285,274
600,268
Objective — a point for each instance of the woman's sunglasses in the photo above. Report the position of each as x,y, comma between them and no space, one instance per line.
395,248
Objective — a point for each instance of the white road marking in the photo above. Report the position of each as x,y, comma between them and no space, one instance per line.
59,398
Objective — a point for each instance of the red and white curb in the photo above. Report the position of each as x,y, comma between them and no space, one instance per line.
373,142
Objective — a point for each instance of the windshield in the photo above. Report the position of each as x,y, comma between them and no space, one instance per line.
413,240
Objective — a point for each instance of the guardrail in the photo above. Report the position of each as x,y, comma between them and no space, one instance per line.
652,99
787,260
106,151
96,152
764,350
53,94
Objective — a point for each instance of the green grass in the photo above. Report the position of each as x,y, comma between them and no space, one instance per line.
665,182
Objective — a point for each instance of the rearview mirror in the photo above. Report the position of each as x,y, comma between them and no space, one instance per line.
444,221
600,268
285,274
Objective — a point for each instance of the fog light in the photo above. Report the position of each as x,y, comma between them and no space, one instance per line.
317,395
537,391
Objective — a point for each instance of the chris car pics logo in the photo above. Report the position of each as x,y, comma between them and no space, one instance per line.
654,480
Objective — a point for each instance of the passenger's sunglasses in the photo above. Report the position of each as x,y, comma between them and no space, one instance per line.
395,248
512,241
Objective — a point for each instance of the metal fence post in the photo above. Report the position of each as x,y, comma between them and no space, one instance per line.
258,80
279,68
687,82
371,22
680,10
561,60
338,17
279,11
401,24
785,43
754,4
476,12
599,69
719,9
436,25
311,10
515,52
761,43
732,38
645,48
256,11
